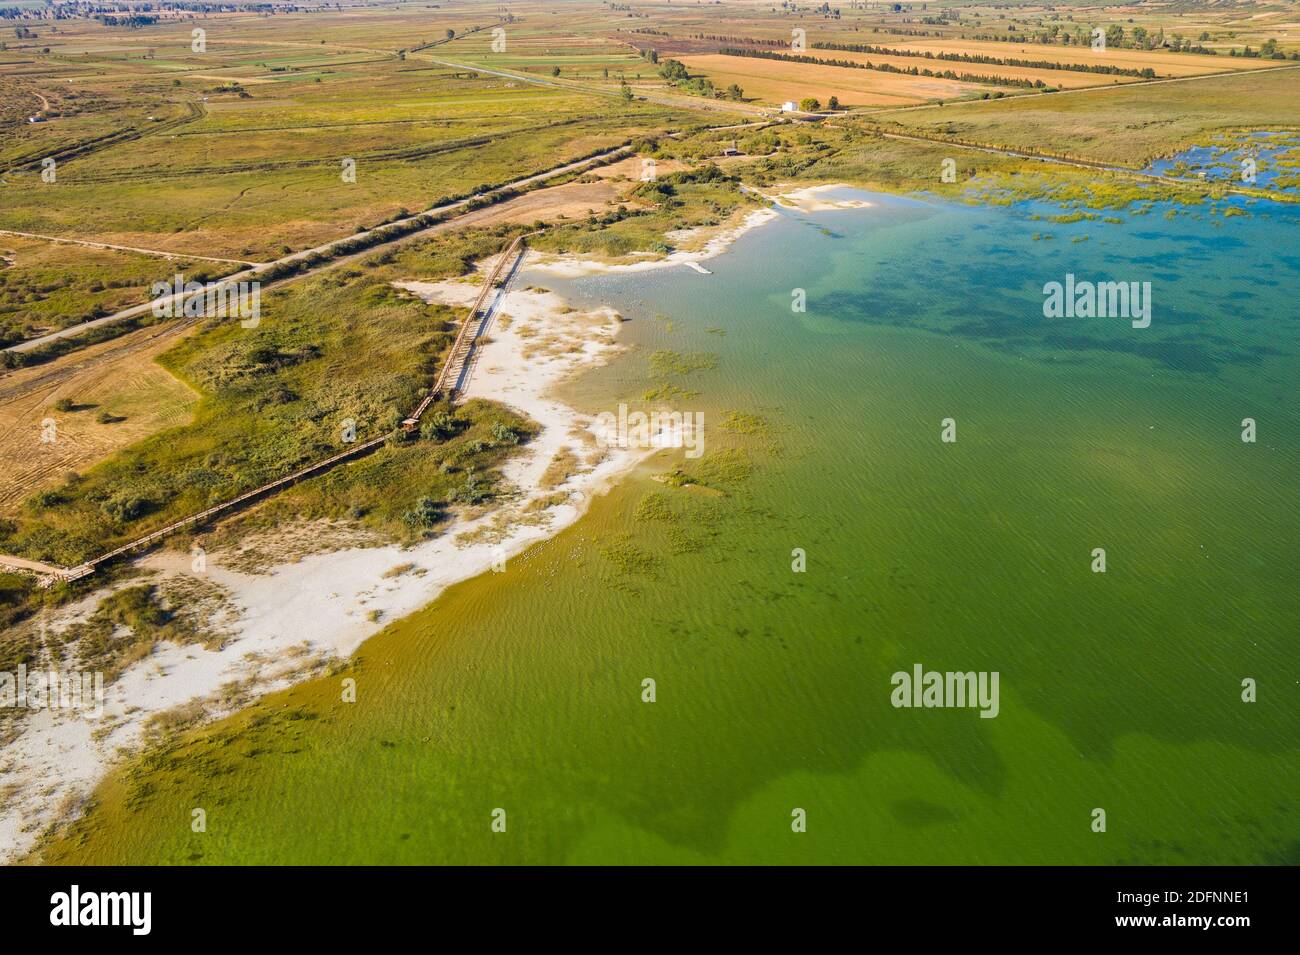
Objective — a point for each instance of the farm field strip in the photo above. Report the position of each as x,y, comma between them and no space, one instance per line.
1066,79
1200,77
127,248
682,101
775,81
1166,65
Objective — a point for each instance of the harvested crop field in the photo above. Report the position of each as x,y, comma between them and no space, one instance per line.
118,395
774,81
1064,79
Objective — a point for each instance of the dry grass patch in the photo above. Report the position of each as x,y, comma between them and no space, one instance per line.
563,466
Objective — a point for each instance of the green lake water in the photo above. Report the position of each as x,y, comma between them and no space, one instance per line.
1119,690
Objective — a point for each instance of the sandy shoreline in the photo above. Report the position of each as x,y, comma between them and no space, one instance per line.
815,198
287,624
576,266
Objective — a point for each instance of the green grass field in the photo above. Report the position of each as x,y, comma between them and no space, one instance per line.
243,156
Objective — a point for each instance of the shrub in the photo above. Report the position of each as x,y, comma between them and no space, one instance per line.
441,425
503,434
426,513
473,491
48,499
124,507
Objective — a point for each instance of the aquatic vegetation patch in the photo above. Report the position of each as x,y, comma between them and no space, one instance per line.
629,560
668,392
666,362
1266,159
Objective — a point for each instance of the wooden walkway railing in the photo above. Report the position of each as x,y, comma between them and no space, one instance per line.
457,358
464,342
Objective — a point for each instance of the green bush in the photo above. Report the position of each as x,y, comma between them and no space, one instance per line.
440,426
502,434
124,507
426,513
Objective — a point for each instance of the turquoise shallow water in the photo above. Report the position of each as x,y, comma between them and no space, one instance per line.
1253,158
1119,691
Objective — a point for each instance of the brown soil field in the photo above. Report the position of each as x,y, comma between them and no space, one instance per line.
572,200
773,81
630,168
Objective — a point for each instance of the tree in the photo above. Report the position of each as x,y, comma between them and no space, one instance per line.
809,105
555,71
833,103
673,70
626,93
735,92
450,33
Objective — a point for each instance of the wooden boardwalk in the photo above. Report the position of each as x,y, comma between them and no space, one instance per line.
458,358
449,382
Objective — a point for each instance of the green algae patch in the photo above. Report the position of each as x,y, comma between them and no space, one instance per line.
717,471
654,508
666,362
668,392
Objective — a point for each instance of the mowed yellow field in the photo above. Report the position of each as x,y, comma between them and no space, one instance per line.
1165,64
42,444
1064,79
774,81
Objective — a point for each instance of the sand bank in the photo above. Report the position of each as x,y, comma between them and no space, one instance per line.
817,198
714,243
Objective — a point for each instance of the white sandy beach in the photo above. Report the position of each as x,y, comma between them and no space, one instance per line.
284,625
574,266
815,198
